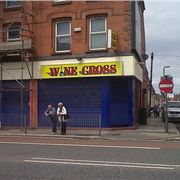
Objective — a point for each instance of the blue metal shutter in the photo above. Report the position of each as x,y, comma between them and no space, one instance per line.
121,102
11,103
80,95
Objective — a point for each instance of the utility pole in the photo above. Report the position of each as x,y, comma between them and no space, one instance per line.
151,71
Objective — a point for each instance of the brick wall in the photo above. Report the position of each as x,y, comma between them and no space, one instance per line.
46,13
15,16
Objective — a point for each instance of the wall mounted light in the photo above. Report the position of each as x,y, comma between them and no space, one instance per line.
79,58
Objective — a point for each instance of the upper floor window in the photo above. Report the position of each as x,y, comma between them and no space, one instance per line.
11,4
98,33
63,36
13,33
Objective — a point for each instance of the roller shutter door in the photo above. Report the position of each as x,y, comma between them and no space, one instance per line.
11,104
78,95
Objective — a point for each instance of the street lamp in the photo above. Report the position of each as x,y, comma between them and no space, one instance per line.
164,69
150,90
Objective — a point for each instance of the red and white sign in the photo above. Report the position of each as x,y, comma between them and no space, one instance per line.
166,85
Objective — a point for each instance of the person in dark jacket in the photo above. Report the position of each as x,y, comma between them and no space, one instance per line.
51,113
156,110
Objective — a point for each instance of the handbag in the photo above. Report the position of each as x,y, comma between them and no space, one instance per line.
67,116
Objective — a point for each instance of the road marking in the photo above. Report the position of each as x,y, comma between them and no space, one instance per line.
101,163
113,162
84,145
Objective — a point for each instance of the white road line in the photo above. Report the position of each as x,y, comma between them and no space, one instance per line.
99,164
111,162
83,145
30,136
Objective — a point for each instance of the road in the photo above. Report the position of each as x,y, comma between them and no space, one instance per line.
57,158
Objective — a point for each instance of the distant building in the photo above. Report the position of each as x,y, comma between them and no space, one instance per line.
176,96
88,54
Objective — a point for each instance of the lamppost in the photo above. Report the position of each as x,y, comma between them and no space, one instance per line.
164,69
150,90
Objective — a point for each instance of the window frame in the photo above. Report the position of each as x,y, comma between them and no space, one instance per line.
13,39
13,6
64,35
100,32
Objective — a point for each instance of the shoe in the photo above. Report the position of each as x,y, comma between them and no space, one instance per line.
53,132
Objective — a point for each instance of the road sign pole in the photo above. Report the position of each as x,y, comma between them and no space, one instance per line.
166,114
166,86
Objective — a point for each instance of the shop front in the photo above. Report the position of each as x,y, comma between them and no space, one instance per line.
89,88
108,87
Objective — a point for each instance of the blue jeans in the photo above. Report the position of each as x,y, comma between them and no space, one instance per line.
54,124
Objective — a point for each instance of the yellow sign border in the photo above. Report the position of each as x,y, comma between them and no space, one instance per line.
97,69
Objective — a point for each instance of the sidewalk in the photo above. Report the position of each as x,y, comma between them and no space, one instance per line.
154,130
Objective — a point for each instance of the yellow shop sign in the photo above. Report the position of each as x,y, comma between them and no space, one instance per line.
81,70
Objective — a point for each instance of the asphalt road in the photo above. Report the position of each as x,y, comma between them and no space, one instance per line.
69,159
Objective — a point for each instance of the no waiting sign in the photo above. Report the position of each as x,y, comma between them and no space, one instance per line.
166,85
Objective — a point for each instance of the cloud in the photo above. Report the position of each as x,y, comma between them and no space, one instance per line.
163,38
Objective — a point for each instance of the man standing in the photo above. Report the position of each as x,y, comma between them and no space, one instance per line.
51,113
61,112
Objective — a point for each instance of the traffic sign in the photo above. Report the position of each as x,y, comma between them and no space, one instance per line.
166,85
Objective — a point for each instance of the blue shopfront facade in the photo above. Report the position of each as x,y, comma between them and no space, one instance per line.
111,97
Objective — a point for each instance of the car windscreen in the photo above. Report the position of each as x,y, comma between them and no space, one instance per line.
173,104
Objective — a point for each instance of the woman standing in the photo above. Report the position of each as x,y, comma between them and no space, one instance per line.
61,112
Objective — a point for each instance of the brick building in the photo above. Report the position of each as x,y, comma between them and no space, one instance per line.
89,55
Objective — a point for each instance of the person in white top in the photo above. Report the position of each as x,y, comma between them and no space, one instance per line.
61,112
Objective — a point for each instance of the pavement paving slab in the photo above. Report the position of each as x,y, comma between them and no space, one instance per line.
153,130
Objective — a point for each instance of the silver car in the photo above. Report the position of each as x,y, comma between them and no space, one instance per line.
173,111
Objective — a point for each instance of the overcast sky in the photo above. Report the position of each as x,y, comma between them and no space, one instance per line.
162,28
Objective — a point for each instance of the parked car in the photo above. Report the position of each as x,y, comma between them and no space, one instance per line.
173,111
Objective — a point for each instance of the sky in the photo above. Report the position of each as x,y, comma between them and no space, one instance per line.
162,30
